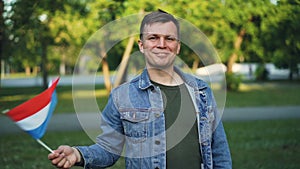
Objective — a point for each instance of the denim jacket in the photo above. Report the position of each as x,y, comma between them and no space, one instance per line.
133,126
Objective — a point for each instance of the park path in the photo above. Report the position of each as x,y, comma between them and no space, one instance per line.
70,122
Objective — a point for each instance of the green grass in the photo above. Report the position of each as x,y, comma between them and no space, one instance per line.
13,96
254,144
251,94
265,144
280,93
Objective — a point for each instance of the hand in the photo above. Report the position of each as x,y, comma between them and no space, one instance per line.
64,157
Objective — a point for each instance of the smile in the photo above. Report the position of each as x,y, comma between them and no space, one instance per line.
162,54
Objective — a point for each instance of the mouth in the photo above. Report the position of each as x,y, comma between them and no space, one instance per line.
161,54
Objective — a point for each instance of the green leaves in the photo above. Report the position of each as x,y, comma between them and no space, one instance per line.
271,30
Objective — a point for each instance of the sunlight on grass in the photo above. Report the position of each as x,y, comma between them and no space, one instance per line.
284,93
19,75
16,97
246,87
266,86
258,86
261,94
90,93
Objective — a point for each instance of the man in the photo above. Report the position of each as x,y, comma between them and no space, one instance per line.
163,118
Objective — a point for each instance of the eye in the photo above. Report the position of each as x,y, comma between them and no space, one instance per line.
170,39
152,38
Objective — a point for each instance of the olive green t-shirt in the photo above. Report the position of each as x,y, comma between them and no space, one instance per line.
186,154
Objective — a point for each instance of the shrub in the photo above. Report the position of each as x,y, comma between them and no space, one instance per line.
261,73
233,81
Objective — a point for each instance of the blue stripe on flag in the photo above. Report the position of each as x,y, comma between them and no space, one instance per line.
40,131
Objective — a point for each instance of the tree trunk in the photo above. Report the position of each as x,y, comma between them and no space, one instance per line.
237,46
62,66
123,65
35,70
105,68
293,69
195,65
1,36
27,71
44,65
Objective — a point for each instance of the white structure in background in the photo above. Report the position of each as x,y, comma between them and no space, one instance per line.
212,73
247,70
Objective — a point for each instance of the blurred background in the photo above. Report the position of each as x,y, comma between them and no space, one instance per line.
257,42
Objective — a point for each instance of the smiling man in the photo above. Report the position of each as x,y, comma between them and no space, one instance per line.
162,119
159,42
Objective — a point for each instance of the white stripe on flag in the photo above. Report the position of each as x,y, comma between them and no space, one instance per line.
35,120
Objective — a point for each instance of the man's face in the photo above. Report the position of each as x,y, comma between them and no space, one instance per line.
160,45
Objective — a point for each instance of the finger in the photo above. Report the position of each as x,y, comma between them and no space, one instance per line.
67,165
54,155
58,159
51,156
60,149
61,163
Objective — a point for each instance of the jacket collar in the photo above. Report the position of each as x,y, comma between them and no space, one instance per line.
145,83
144,80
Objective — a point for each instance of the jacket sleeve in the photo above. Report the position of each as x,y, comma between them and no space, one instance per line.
220,149
109,145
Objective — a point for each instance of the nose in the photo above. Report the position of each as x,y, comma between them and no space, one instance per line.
161,42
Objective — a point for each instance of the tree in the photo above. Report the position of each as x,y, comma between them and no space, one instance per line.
70,29
244,19
107,12
1,35
53,32
207,17
30,33
34,30
281,35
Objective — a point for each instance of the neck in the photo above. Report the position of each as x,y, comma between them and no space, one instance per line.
165,77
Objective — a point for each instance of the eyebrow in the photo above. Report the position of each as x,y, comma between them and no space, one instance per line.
157,34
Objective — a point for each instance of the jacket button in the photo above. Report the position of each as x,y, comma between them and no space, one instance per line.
157,142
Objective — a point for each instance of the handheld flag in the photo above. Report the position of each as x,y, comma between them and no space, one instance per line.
33,115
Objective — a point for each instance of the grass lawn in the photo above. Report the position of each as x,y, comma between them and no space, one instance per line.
280,93
251,94
11,97
273,144
254,144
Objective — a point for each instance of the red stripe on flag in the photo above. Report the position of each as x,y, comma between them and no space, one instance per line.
33,105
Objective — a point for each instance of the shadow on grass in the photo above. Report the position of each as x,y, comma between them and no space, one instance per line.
254,144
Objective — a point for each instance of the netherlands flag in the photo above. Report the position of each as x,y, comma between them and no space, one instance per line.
33,115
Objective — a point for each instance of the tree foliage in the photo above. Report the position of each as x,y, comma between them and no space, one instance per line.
282,36
52,32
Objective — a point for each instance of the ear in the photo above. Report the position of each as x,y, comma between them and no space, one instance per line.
141,46
178,48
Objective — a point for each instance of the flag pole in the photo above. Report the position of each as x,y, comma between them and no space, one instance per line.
38,140
5,111
44,145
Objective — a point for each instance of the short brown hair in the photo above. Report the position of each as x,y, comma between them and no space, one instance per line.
161,17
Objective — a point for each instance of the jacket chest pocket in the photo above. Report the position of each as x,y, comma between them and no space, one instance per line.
135,125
